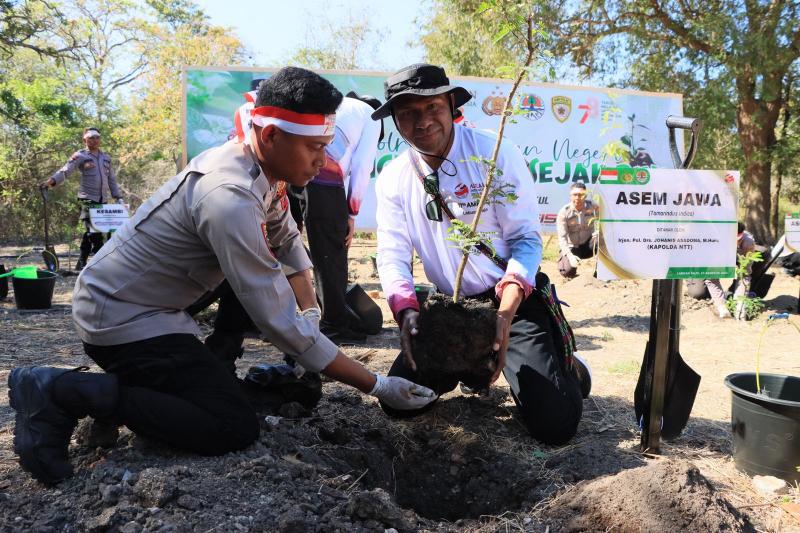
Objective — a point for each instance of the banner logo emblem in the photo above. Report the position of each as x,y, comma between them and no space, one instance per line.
562,107
624,175
494,104
532,106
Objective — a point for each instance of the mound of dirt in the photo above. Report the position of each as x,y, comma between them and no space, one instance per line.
668,495
455,343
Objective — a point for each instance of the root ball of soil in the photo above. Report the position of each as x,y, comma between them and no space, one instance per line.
454,343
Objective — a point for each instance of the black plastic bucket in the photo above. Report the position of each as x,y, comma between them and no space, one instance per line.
766,427
34,293
365,308
3,282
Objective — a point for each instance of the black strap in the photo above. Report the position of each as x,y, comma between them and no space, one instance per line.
482,247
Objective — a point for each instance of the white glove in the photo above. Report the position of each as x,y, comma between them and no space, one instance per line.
313,314
400,393
573,260
120,200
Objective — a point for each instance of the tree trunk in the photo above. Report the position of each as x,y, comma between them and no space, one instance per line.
781,170
756,120
775,215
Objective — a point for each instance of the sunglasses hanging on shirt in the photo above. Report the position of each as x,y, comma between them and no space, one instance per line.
431,185
435,207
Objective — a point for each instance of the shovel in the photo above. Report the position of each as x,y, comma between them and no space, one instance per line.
667,386
681,383
49,253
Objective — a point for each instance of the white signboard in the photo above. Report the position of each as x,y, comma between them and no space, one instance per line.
666,224
107,218
566,133
792,232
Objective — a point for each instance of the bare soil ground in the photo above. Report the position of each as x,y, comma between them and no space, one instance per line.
468,465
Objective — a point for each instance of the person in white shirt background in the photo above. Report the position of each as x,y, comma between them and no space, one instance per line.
332,202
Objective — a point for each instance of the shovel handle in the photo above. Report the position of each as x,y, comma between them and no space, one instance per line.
683,123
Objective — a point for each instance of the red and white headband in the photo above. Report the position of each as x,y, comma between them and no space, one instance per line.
311,124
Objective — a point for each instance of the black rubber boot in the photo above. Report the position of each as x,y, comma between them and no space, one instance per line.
86,249
92,394
42,429
83,394
49,401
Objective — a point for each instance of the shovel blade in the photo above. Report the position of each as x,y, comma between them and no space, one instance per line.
50,259
681,390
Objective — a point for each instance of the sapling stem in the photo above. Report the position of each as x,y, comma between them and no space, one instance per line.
493,162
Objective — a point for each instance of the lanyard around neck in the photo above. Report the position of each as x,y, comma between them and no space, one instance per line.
482,247
415,162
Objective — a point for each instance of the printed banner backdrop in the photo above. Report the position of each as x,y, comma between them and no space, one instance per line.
562,131
792,231
666,224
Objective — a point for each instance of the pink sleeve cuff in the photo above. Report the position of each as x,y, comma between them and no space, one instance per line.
353,206
526,287
399,303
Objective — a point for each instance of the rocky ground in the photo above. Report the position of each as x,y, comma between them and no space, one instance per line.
468,465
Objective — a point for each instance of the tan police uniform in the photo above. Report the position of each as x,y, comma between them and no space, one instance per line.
97,180
219,218
575,230
575,227
97,175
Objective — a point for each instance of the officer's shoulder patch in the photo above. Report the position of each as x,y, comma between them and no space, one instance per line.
76,155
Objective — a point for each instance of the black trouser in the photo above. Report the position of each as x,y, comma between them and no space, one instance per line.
545,390
326,226
90,244
583,251
173,389
91,241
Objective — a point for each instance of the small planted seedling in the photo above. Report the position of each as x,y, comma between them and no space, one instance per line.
745,307
455,336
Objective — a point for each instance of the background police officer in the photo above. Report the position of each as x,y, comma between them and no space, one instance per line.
97,181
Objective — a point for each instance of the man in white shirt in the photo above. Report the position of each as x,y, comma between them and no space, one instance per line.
546,381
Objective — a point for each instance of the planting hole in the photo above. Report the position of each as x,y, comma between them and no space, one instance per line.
445,474
447,481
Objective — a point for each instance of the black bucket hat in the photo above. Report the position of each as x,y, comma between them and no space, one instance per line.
421,79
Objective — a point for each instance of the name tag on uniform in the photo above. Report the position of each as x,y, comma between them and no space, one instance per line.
108,218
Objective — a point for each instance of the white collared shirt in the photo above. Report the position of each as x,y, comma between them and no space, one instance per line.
403,225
